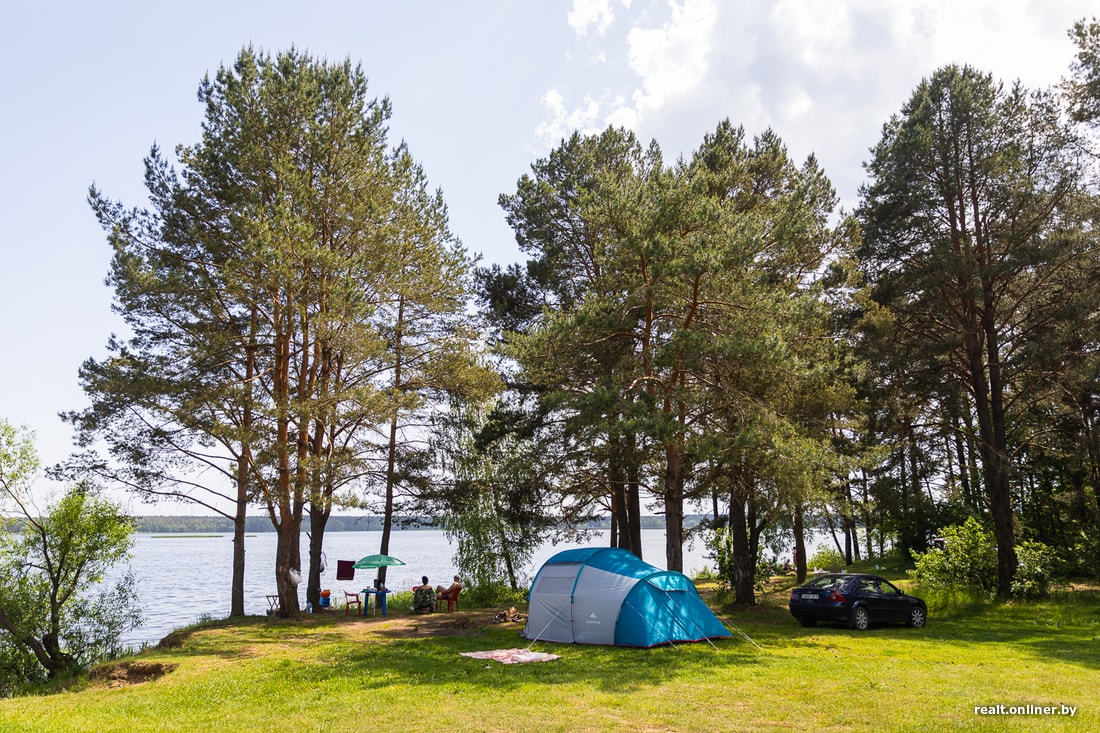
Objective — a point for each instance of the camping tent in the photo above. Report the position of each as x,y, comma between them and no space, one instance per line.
605,595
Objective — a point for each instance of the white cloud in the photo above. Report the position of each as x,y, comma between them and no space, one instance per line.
797,104
1014,39
824,75
623,115
673,59
584,119
669,62
586,13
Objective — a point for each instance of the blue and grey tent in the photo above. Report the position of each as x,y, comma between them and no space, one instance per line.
605,595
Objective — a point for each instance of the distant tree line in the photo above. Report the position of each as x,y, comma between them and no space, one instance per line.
157,524
171,524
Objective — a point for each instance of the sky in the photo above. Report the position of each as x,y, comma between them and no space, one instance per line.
480,90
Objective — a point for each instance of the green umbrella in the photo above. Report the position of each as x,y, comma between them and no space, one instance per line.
376,561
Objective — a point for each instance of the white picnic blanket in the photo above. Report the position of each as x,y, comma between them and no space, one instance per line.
512,656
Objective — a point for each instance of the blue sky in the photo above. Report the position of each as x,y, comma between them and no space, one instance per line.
479,90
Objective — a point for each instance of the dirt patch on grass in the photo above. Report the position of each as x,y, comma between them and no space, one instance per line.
121,674
399,625
457,623
175,639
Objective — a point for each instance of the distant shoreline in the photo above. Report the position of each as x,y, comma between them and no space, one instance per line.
177,525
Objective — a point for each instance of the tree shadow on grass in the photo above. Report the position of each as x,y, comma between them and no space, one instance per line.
1064,628
406,650
438,660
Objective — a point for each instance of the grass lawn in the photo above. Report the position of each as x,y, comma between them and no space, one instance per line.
328,673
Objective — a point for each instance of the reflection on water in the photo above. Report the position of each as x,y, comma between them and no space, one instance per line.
182,579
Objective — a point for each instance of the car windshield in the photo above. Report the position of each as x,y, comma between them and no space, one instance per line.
827,582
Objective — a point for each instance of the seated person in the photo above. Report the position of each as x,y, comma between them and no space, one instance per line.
450,592
423,597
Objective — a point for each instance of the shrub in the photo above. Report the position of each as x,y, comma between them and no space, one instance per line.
707,575
1033,571
826,558
57,612
968,559
1076,557
490,595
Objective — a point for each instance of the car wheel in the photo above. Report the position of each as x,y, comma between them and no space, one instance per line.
860,619
917,617
808,622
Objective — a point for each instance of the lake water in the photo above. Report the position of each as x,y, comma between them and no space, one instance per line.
182,579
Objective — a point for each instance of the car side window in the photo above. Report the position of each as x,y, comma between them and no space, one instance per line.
869,585
825,583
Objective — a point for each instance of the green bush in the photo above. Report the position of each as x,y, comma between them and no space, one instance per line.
968,560
492,595
1033,571
19,672
826,558
59,615
707,575
1077,556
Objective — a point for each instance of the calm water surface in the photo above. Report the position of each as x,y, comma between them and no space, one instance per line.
182,579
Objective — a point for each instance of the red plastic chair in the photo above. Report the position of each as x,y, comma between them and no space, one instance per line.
451,599
352,599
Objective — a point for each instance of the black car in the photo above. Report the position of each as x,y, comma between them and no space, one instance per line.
857,599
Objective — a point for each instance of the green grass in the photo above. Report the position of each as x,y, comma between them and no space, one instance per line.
328,673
